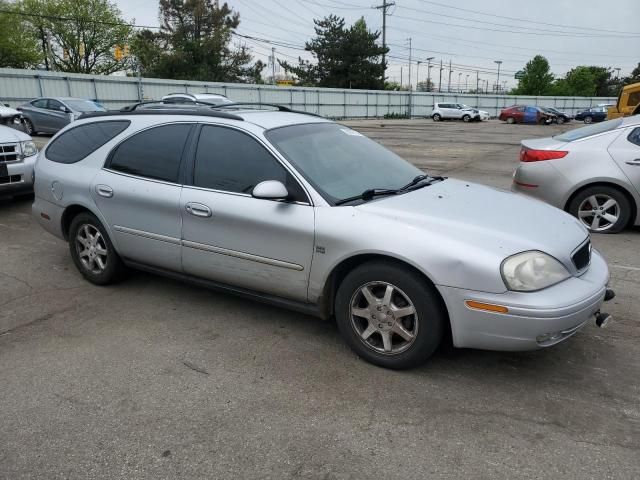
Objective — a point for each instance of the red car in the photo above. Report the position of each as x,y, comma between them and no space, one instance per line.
526,114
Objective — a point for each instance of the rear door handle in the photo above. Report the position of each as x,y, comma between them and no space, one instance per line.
198,209
635,163
104,191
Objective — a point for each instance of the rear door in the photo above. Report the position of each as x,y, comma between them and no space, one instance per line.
232,238
138,193
625,150
57,116
37,112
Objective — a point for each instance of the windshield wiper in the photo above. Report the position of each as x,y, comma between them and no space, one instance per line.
370,193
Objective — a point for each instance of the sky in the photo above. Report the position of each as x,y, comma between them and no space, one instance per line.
471,34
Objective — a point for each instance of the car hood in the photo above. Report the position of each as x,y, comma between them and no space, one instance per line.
8,135
483,218
8,111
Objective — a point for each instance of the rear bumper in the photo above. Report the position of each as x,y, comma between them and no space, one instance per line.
19,177
542,181
535,320
48,215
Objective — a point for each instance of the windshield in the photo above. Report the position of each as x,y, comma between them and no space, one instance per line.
84,106
339,162
589,130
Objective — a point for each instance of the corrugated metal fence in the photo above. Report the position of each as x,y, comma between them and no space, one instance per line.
19,86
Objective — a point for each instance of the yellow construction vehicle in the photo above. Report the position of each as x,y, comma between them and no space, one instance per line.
628,102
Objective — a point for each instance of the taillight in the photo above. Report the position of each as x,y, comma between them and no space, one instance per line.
531,155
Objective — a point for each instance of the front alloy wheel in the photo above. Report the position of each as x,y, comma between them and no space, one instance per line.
389,314
384,318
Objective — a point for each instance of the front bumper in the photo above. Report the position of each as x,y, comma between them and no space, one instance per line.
560,310
18,178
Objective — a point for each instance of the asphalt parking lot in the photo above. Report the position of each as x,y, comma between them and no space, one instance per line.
156,379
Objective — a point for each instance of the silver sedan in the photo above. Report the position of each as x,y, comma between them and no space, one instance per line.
298,211
591,172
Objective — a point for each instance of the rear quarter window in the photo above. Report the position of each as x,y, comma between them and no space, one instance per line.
78,142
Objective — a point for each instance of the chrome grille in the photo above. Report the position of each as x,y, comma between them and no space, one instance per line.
9,152
582,257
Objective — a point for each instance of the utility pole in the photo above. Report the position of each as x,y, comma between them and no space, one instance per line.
384,7
499,62
459,82
418,74
440,81
618,70
450,72
410,88
401,77
477,80
429,73
466,84
273,65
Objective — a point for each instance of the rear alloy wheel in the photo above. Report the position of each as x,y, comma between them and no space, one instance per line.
601,209
92,250
511,120
388,315
588,119
436,117
466,118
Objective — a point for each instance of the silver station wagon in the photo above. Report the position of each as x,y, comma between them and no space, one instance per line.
298,211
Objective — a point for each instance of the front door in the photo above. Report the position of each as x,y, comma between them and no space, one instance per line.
625,150
138,193
232,238
57,115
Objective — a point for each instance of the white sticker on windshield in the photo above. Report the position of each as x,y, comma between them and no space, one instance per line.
353,133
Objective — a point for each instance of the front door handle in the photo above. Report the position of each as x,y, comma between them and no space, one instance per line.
198,209
104,191
635,163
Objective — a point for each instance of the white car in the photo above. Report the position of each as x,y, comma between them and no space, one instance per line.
213,98
8,115
457,111
17,158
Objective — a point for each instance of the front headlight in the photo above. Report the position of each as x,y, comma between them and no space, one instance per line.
28,148
530,271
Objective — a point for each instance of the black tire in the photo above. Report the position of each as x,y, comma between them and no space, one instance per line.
511,120
466,118
560,121
427,323
113,269
28,127
601,192
588,119
436,117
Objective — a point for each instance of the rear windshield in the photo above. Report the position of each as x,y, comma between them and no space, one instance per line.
84,106
589,130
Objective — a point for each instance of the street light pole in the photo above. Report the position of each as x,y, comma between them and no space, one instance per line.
499,62
466,84
418,74
459,83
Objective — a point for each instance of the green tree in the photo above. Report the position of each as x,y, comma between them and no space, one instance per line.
581,82
18,47
345,57
79,36
194,43
634,77
537,78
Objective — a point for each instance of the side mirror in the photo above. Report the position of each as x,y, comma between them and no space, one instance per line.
270,190
64,109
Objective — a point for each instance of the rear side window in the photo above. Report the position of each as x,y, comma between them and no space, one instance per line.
153,153
78,142
634,137
41,103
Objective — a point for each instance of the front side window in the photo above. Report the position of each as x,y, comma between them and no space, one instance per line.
78,142
339,162
232,161
154,153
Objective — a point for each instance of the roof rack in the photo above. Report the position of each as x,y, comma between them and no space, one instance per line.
202,112
280,108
